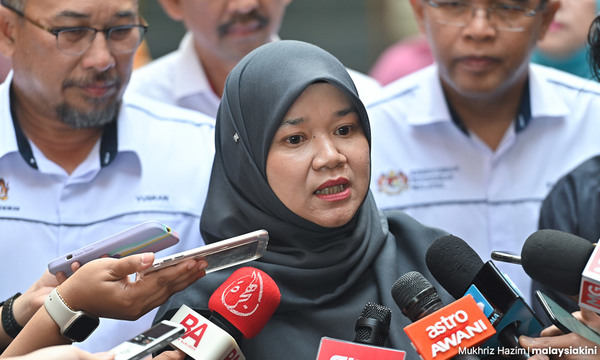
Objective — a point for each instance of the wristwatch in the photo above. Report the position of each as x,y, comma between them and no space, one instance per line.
9,323
74,325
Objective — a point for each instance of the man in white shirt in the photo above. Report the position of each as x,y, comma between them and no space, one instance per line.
474,143
77,163
220,33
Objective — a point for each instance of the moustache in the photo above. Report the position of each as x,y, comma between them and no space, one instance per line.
102,78
223,29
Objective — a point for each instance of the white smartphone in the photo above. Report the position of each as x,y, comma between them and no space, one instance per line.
153,339
222,254
149,236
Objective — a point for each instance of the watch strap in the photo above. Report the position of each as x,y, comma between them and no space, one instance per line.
9,323
63,315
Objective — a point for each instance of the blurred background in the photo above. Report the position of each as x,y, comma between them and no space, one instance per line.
355,31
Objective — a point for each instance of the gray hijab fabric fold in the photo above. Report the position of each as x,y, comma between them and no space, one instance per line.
325,275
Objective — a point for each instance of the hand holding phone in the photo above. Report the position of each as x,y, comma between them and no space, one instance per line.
149,236
563,320
153,339
222,254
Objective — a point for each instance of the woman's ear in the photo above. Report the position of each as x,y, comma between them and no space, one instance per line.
173,8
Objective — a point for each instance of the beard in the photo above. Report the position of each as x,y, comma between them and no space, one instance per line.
102,112
80,119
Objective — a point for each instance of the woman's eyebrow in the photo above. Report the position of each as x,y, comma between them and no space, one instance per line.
295,121
345,112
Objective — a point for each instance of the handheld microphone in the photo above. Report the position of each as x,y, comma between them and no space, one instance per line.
240,307
373,324
438,332
458,268
415,296
372,327
566,263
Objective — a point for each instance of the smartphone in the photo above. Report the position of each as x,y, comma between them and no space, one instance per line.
506,256
149,236
153,339
564,320
222,254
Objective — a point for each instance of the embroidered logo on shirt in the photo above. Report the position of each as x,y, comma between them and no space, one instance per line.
152,198
392,183
3,190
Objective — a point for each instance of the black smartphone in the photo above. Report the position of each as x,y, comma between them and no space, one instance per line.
153,339
563,320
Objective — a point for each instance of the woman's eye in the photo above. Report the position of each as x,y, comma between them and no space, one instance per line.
344,130
294,139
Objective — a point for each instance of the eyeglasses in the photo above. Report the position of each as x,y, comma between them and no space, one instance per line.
121,39
506,15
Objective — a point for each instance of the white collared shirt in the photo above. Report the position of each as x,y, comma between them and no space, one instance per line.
178,78
424,164
161,171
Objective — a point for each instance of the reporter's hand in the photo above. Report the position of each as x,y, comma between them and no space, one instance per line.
102,287
27,304
589,318
63,352
170,355
560,342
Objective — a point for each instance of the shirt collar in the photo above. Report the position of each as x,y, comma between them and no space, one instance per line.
189,67
8,139
20,143
190,77
537,101
521,120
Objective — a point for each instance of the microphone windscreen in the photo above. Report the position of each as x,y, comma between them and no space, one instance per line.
556,259
453,263
247,299
415,296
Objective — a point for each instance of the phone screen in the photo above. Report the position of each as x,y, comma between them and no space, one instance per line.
150,340
222,254
564,320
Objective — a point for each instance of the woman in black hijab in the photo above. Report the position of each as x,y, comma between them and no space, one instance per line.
292,157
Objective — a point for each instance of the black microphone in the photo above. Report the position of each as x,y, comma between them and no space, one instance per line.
415,296
371,332
240,307
373,324
556,259
458,268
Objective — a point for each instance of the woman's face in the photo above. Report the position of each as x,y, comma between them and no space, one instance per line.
569,29
318,163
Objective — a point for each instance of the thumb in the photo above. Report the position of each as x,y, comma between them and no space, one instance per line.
132,264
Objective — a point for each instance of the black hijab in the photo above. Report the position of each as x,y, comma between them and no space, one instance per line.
325,275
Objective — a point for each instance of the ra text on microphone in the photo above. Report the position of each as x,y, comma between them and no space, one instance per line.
240,307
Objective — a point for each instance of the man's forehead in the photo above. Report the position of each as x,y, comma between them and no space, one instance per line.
84,8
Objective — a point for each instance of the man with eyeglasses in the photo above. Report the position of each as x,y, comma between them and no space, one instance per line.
77,163
473,143
219,34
